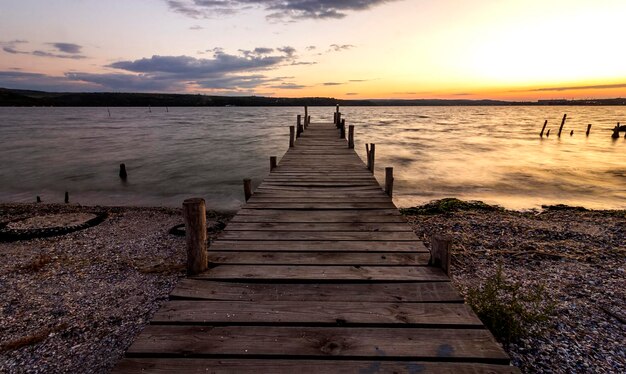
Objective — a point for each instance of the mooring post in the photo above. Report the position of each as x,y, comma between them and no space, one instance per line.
615,132
308,121
342,129
306,116
300,129
588,129
351,136
371,158
335,118
194,215
123,173
38,199
67,197
338,124
562,124
337,110
440,252
544,127
247,188
272,163
292,134
389,181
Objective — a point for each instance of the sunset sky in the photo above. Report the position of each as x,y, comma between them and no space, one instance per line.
500,49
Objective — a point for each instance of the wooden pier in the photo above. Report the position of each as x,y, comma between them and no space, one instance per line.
317,273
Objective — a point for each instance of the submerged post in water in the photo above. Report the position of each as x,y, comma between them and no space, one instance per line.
272,163
389,181
588,129
562,124
543,128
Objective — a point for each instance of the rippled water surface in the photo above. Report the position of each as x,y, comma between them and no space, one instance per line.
492,154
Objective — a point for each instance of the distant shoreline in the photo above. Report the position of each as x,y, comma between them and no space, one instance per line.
26,98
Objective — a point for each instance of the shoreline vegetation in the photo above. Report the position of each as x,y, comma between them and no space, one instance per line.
75,302
27,98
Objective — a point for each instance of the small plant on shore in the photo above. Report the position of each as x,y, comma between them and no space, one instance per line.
449,205
508,310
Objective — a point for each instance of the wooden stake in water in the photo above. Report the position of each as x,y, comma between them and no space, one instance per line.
109,110
38,199
247,188
548,133
571,133
389,181
543,128
167,110
123,174
67,197
272,163
588,129
562,124
615,132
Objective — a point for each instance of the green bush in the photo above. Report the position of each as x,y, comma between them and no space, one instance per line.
508,310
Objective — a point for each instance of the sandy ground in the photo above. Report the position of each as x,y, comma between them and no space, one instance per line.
74,303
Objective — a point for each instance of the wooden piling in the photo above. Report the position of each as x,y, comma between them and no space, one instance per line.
571,133
306,116
194,215
588,129
389,181
247,188
342,129
272,163
338,120
67,197
308,121
543,128
351,136
371,158
337,110
615,132
38,199
123,173
300,129
548,133
562,124
292,134
440,252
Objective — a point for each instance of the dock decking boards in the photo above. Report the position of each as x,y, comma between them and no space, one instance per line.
317,273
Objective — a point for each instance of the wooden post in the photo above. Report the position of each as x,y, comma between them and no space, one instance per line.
123,173
300,129
38,199
247,188
67,197
338,123
306,116
562,123
308,121
337,110
372,157
440,252
588,129
351,136
194,215
272,163
389,181
544,127
335,118
571,133
292,134
615,132
342,129
548,133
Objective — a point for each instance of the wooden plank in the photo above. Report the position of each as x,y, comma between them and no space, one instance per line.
318,226
318,245
318,199
279,366
319,235
325,273
320,205
415,344
203,312
319,258
348,292
269,215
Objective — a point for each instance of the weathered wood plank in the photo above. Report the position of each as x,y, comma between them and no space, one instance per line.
201,341
319,258
325,273
315,312
318,226
320,235
372,292
321,246
279,366
319,206
269,215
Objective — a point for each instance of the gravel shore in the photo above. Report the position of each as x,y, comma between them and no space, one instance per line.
74,303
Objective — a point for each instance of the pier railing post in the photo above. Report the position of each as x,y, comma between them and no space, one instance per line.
272,163
371,156
247,188
342,129
306,116
300,129
292,134
351,136
389,181
338,123
335,118
194,215
440,252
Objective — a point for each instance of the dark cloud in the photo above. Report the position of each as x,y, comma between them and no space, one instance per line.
128,82
303,63
68,47
358,80
311,47
57,55
571,88
352,93
196,27
277,9
340,47
288,86
42,82
332,83
289,51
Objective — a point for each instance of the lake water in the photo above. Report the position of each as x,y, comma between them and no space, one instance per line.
492,154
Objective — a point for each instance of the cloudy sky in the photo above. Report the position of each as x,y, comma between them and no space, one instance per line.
503,49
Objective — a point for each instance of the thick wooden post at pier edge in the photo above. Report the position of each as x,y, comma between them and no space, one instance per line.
194,215
317,273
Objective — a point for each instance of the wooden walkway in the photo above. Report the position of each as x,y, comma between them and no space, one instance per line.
317,273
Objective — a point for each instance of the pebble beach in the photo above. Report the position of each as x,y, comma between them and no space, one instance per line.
75,302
